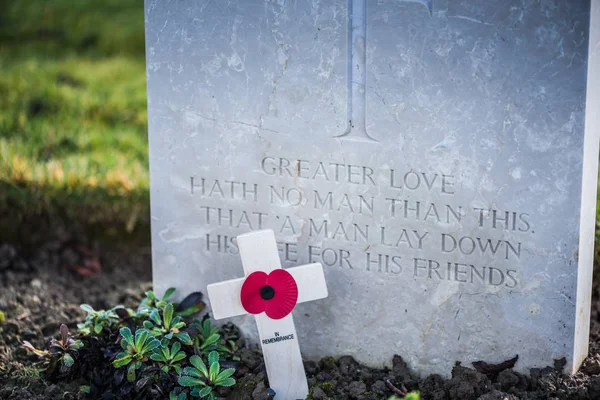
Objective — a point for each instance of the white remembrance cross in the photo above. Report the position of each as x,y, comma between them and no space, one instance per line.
258,251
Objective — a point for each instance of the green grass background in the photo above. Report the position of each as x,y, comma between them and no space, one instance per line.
73,109
73,138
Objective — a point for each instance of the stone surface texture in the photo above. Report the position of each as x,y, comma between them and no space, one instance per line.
430,154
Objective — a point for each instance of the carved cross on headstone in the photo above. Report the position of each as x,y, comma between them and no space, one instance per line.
357,69
357,72
270,292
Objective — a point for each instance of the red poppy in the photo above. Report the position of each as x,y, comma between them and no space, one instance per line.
275,294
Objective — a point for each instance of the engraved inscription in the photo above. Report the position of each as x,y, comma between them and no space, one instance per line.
381,220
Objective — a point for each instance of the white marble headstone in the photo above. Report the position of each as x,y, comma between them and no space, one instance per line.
435,156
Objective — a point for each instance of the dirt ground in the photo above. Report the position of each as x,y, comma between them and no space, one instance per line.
43,287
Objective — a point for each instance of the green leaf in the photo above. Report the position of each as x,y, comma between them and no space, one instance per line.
68,360
192,310
214,371
173,396
131,372
150,345
87,308
224,349
226,373
226,382
166,353
127,336
197,392
212,339
189,381
168,315
157,357
141,335
213,357
179,356
98,328
175,348
147,325
177,368
122,361
205,392
150,294
184,337
165,369
193,372
168,293
177,324
85,388
206,328
155,316
199,364
76,345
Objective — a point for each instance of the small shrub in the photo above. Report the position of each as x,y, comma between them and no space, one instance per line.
167,327
137,350
169,357
208,339
204,380
97,321
60,352
126,353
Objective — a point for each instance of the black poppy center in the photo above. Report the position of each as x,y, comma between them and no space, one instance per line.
267,292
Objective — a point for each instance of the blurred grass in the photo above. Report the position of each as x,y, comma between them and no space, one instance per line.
73,109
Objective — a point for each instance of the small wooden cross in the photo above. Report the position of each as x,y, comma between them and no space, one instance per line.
270,288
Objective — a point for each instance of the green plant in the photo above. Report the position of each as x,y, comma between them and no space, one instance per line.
151,302
2,318
207,337
97,321
61,351
409,396
191,304
137,350
168,326
169,357
203,380
151,352
64,346
84,388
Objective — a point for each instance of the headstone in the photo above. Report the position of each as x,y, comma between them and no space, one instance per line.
271,293
435,156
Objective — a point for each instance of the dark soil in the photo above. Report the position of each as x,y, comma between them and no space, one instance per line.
43,288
